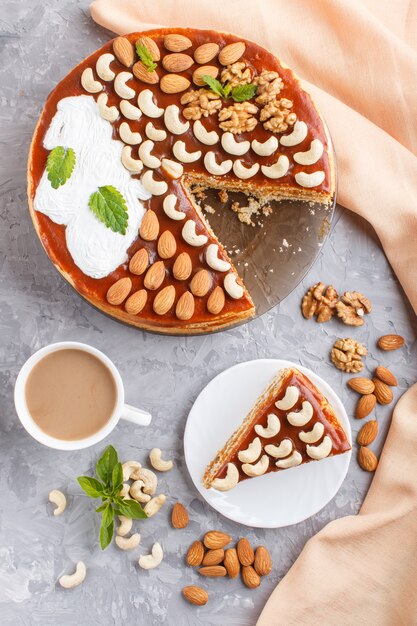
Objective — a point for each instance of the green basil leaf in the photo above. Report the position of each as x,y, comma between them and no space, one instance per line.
109,206
91,486
106,533
214,85
102,507
108,515
60,165
106,463
242,93
131,508
117,477
145,56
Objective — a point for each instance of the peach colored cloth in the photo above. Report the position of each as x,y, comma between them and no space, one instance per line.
360,60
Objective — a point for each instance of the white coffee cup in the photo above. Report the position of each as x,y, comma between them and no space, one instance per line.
121,410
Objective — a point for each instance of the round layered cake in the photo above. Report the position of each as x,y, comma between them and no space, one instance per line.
126,138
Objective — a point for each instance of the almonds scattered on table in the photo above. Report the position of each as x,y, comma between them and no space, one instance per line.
367,459
195,595
365,406
390,342
179,516
382,392
367,433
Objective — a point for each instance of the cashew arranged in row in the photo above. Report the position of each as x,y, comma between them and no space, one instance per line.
147,105
244,172
149,561
213,260
89,83
130,469
190,236
281,451
155,187
215,168
120,87
296,136
137,493
107,113
291,461
154,505
232,146
309,180
128,543
103,66
130,111
158,463
312,155
173,122
252,452
292,394
169,205
229,481
301,418
258,469
73,580
127,136
232,287
277,169
265,148
206,137
172,168
148,159
131,164
313,435
58,498
181,153
272,428
320,451
125,527
155,134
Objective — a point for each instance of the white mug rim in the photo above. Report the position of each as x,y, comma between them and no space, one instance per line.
28,422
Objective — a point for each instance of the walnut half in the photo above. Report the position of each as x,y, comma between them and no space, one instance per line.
352,308
320,302
347,355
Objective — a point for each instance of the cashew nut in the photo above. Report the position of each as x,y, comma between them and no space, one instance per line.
155,187
181,153
130,469
172,168
89,83
301,418
103,66
265,148
313,435
213,260
73,580
173,122
154,505
155,134
125,527
130,111
277,169
296,136
58,498
258,469
107,113
232,287
136,491
252,452
214,168
292,394
157,462
150,480
127,136
147,105
281,451
232,146
273,427
291,461
190,236
149,561
124,492
229,481
311,156
322,450
131,164
120,87
169,205
309,180
244,172
128,543
148,159
206,137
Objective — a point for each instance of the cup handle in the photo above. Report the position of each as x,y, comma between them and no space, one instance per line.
137,416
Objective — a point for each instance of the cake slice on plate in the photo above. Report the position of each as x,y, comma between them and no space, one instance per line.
291,423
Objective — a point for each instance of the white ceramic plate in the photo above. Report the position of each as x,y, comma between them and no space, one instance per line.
276,499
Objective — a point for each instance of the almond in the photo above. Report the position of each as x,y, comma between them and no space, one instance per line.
244,552
213,557
216,300
135,303
367,459
151,46
139,262
263,563
167,246
213,571
206,52
383,392
231,53
119,291
142,73
200,283
390,342
185,306
177,62
386,376
205,70
155,276
174,83
195,595
123,51
176,43
179,516
231,563
149,228
250,577
365,405
195,554
164,300
216,539
367,433
182,267
361,385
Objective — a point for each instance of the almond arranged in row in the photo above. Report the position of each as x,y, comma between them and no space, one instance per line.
167,246
139,262
174,83
182,267
119,291
185,306
176,43
151,46
200,283
141,72
123,51
149,227
154,276
136,302
177,62
206,52
216,300
205,70
164,300
232,53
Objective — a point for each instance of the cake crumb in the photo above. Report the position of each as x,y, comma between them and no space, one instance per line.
209,209
223,195
285,243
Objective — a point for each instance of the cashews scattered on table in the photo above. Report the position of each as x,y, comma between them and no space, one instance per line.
137,493
312,435
131,164
258,468
125,526
190,236
107,113
296,136
277,169
322,450
148,159
158,463
229,481
154,505
280,451
244,172
69,581
130,111
155,187
309,180
265,148
130,469
172,168
120,87
290,398
103,66
126,135
301,418
230,145
213,260
128,543
58,498
173,122
181,153
169,204
312,155
147,105
217,169
149,561
149,478
273,427
208,138
291,461
252,452
232,287
155,134
89,83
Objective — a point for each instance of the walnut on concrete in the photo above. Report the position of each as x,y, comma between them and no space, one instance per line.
352,308
320,301
201,103
277,115
236,74
347,355
269,84
238,118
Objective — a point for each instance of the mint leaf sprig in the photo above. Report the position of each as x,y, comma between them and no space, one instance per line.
60,165
109,206
240,93
109,470
146,57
